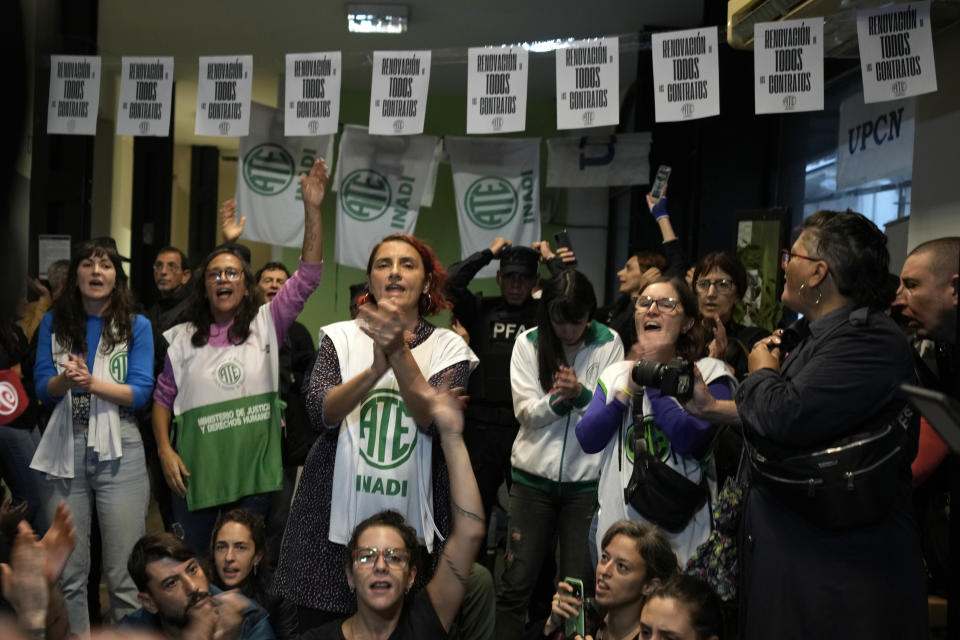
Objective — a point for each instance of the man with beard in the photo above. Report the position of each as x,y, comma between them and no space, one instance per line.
179,603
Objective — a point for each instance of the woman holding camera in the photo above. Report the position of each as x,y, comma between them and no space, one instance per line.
635,422
834,551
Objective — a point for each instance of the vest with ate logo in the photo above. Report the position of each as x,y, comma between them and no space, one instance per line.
228,414
383,461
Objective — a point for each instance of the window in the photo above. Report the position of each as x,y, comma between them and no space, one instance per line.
882,201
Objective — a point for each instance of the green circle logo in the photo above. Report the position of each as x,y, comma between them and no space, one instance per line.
230,374
388,434
365,195
491,202
268,169
118,367
656,441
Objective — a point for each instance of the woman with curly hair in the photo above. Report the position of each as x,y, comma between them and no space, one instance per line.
219,382
95,362
376,451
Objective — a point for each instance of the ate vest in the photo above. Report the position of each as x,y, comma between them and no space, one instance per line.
492,336
228,414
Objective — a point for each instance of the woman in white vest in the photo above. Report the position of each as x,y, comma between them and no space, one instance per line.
376,448
95,361
623,413
553,369
219,385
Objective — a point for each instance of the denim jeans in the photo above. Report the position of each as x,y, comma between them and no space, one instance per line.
17,447
196,527
542,523
119,491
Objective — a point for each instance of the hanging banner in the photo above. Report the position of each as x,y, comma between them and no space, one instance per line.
875,141
74,95
312,93
686,76
398,92
223,96
146,96
599,161
588,83
896,51
497,187
381,180
788,66
268,177
496,89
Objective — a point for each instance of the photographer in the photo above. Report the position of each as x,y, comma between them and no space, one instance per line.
623,415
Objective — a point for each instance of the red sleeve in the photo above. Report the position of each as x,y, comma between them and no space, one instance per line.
931,451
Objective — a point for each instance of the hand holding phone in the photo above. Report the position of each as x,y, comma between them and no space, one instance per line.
660,181
562,240
575,625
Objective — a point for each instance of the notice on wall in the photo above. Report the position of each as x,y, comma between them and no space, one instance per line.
312,93
686,77
51,248
398,92
788,66
74,95
896,52
588,84
874,141
496,89
223,96
146,89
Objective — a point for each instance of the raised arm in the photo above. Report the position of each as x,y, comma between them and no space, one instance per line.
449,583
231,227
313,187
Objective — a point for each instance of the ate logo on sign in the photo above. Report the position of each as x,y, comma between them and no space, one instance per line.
366,195
388,433
491,202
268,169
118,367
230,375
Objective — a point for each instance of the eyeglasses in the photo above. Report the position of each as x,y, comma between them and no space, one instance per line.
394,558
229,274
786,255
723,285
664,304
158,266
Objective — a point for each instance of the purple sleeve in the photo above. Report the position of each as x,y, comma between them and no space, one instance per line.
166,390
687,435
599,422
288,303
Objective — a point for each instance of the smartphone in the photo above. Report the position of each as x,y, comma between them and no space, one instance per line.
663,174
562,239
573,626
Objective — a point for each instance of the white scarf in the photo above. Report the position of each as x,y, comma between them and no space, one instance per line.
55,455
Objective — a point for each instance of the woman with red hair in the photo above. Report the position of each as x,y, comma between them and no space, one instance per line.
376,449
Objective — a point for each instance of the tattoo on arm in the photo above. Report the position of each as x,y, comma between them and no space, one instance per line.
467,514
453,569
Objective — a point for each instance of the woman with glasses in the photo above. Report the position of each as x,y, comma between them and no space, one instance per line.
381,560
624,415
833,548
720,281
553,369
218,387
95,362
640,268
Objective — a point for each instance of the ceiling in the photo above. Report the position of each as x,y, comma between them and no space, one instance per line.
187,29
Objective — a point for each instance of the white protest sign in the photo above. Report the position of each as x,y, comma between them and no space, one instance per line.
146,89
686,76
874,141
312,92
896,52
74,95
223,96
588,83
398,92
788,66
496,89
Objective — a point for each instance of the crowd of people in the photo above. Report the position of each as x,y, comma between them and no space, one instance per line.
360,488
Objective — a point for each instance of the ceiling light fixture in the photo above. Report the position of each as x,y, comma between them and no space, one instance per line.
377,18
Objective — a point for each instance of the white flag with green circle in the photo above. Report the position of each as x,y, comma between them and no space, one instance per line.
497,186
268,183
381,180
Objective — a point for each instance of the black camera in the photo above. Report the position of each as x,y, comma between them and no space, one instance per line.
673,379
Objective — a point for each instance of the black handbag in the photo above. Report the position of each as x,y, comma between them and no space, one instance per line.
857,481
656,491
